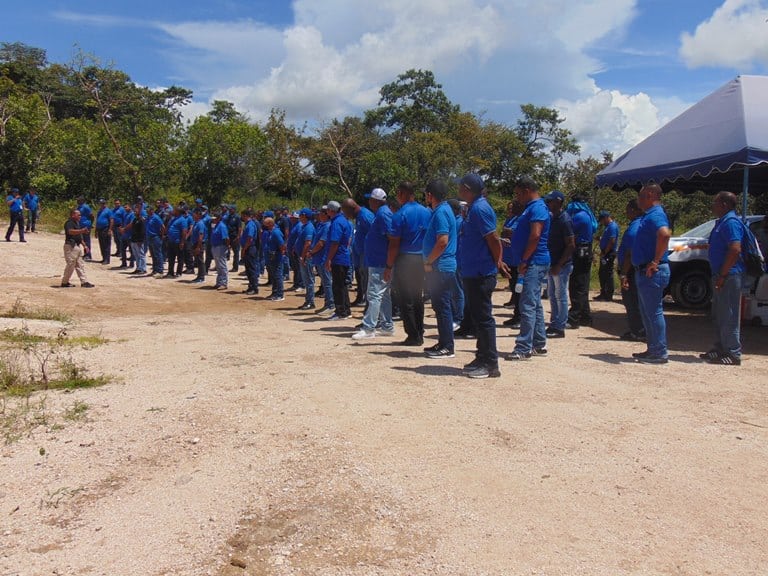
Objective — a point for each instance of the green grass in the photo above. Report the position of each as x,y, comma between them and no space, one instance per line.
23,338
21,310
77,411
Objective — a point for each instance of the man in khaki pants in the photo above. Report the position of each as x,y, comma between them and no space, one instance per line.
74,249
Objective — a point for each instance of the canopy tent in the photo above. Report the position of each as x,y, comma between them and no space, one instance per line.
720,143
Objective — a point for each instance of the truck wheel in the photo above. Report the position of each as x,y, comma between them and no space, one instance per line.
692,290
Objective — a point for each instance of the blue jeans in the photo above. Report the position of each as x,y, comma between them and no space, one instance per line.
478,291
220,257
156,251
458,302
276,266
558,297
650,293
533,332
441,291
379,296
327,280
726,314
137,251
308,279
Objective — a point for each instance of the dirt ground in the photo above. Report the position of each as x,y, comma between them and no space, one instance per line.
240,436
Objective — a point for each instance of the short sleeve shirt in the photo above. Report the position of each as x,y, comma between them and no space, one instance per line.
535,211
611,232
476,258
377,239
409,225
442,222
340,231
560,229
582,227
727,230
644,246
627,240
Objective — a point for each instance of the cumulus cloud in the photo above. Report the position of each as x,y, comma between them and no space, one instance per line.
735,36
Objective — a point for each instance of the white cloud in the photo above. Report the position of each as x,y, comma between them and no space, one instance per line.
612,121
735,36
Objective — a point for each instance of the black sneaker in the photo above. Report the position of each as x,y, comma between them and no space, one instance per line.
87,285
472,365
251,292
432,348
512,323
553,333
571,325
462,333
307,306
440,353
726,360
540,351
645,354
632,337
67,285
514,356
483,371
653,360
412,342
710,355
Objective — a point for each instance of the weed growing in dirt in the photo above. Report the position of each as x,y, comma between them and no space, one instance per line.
21,310
77,411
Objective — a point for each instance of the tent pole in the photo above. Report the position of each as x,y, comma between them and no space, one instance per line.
745,194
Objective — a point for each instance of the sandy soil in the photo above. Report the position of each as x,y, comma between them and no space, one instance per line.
246,437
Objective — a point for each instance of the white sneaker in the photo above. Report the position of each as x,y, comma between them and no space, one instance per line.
382,332
300,291
363,334
456,326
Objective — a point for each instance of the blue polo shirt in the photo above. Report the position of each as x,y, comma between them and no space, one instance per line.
377,239
154,226
249,231
220,234
409,224
363,223
293,237
611,232
31,201
321,235
340,231
627,241
118,214
582,227
459,240
644,246
86,215
176,229
15,206
307,233
442,222
727,229
103,218
506,251
476,258
199,232
535,211
276,240
129,218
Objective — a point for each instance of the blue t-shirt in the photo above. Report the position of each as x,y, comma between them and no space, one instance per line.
220,234
644,246
582,227
442,222
459,228
409,224
129,218
307,233
154,226
103,218
199,232
506,250
293,237
321,235
276,240
86,215
31,201
176,229
535,211
727,229
363,223
611,232
627,240
118,215
249,231
340,231
377,239
476,258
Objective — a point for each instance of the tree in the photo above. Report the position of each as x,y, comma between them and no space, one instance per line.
546,141
286,157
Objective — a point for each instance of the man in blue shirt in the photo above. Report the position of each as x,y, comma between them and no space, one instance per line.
118,220
406,239
175,235
105,223
338,260
301,247
275,252
480,263
294,252
198,240
530,246
235,226
636,332
608,243
439,253
584,227
363,219
125,238
31,202
250,244
318,252
155,232
725,242
561,246
86,221
220,247
377,320
649,257
16,209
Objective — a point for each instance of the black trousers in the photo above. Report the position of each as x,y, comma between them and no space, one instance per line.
175,258
605,274
17,219
31,220
234,248
361,279
409,282
200,264
578,290
105,244
252,267
632,306
340,291
478,291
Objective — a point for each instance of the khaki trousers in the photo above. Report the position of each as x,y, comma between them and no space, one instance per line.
75,263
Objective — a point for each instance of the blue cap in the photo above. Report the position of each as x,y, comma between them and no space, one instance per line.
603,214
554,195
269,214
306,212
14,190
198,200
473,182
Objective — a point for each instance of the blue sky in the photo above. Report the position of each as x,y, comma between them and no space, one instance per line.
617,69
